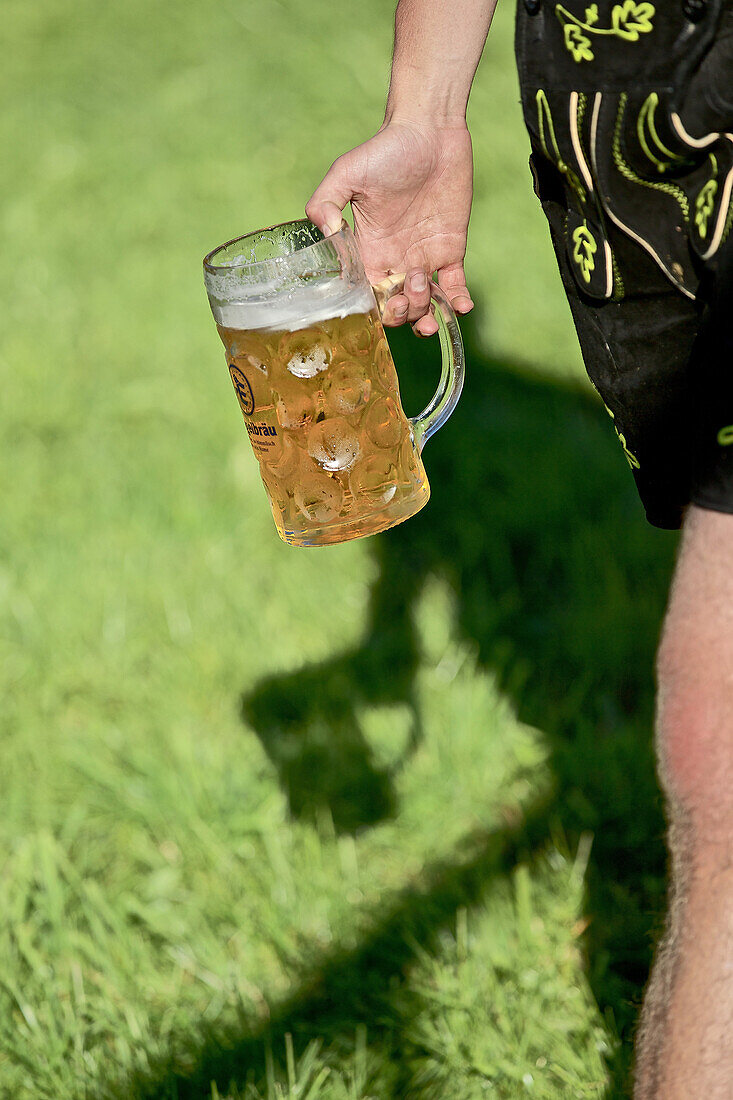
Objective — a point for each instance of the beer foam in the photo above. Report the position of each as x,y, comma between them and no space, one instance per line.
271,308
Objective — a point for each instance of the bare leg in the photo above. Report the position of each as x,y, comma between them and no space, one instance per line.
685,1047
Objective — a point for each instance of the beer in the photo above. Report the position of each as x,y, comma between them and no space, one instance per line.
316,383
322,408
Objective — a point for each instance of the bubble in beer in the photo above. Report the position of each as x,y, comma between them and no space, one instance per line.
383,423
374,480
275,491
304,354
251,351
282,457
295,409
347,386
318,496
333,444
384,365
357,334
258,364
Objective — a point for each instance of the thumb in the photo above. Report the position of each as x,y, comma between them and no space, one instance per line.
326,215
325,205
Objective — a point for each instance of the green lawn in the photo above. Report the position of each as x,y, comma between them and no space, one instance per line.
378,821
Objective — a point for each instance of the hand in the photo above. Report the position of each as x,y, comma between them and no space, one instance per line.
410,189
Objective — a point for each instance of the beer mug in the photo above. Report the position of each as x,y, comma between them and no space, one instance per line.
316,383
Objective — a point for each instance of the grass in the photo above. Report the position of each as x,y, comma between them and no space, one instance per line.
374,822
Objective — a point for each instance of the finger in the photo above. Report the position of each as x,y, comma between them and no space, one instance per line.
427,325
418,294
325,205
452,282
396,310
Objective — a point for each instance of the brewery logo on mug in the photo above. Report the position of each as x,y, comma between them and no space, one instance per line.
244,390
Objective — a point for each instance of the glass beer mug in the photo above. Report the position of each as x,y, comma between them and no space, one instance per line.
316,383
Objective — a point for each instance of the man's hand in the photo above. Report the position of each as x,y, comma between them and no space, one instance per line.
410,190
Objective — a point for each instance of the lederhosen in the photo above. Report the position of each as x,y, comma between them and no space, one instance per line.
641,219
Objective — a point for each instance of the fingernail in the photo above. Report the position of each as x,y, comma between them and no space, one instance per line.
464,305
419,281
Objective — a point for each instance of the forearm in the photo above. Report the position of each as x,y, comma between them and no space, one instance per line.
438,45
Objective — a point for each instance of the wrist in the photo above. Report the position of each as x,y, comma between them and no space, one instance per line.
422,114
436,52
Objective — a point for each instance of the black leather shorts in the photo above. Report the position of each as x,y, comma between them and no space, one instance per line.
629,108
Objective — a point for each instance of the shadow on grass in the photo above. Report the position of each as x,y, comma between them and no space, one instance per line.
560,588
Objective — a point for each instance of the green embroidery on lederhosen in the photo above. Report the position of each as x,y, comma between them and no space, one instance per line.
618,284
646,122
631,458
628,172
628,20
705,204
584,250
585,245
547,129
619,290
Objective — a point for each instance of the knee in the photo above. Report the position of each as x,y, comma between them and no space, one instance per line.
695,737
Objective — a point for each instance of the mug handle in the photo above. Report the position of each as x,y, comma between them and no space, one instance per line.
453,365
